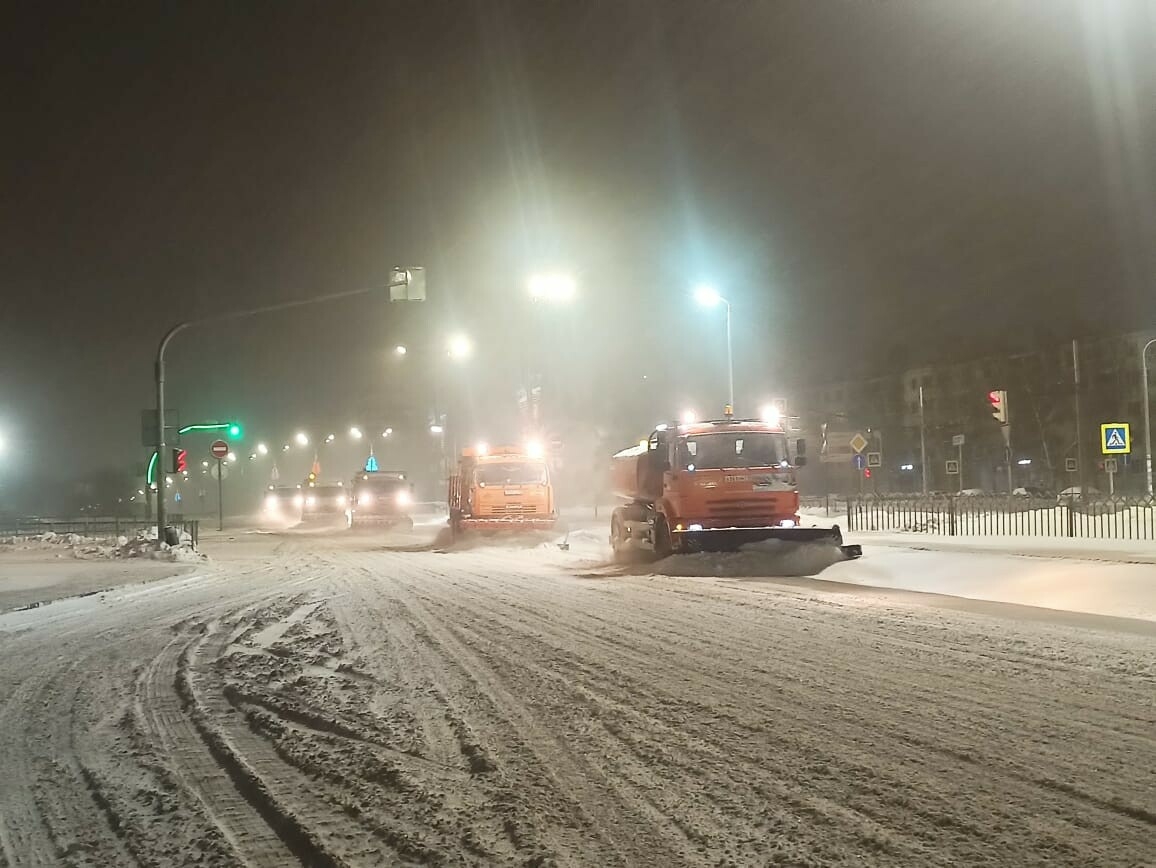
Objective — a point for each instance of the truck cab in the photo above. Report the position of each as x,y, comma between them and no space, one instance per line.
379,497
501,489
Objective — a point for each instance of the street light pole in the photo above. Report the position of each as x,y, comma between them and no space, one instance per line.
401,279
707,296
1147,419
730,360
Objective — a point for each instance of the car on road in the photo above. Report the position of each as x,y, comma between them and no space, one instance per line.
1034,492
1077,493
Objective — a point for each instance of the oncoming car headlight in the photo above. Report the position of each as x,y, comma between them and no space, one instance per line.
364,499
298,500
311,501
272,503
404,498
341,500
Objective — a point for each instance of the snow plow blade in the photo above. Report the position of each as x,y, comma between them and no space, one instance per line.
732,538
511,525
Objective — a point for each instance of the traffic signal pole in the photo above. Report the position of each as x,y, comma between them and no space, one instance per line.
220,498
1147,419
400,278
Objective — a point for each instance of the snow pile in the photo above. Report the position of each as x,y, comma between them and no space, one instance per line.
141,546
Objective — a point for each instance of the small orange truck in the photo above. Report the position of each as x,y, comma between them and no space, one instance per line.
501,489
711,486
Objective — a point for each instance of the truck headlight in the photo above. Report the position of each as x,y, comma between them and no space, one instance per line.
404,498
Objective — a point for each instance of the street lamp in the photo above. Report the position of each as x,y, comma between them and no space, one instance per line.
400,350
302,438
708,296
262,449
1147,419
386,432
553,286
459,347
355,433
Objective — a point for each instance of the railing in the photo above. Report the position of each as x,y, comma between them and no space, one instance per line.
96,527
1124,518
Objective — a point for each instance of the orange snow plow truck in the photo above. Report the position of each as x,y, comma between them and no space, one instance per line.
711,486
501,489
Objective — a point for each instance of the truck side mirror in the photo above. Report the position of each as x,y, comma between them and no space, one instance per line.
800,447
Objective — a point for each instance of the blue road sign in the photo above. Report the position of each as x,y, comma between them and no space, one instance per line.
860,461
1115,438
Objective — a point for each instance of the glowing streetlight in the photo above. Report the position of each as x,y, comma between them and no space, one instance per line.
400,350
386,432
302,438
262,449
286,448
771,414
204,464
708,296
553,286
329,438
460,347
689,417
231,457
436,429
355,433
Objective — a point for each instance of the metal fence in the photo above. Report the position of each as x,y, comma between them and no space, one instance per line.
1124,518
96,527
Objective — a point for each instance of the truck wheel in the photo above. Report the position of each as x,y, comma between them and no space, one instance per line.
663,541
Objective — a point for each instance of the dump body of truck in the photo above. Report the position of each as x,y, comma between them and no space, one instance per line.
710,486
502,489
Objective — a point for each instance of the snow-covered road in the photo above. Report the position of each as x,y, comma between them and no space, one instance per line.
326,701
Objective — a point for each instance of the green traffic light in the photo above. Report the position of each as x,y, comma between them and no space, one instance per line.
234,430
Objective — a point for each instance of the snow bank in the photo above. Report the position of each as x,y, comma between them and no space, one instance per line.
1125,590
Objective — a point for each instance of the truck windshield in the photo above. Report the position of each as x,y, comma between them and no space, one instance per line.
511,473
732,449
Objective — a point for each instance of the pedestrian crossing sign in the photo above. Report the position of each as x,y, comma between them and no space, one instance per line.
1115,438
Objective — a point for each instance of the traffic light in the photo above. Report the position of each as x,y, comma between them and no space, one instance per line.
997,399
180,460
234,431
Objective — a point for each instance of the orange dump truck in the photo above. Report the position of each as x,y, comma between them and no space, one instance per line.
711,486
506,488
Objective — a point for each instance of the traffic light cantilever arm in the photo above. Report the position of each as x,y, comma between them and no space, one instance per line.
223,317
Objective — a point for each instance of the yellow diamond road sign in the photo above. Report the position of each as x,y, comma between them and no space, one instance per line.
1115,438
858,442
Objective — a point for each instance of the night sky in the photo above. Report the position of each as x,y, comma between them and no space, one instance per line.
870,183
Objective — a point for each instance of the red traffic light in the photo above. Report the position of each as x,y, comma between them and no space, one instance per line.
867,473
180,460
997,400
